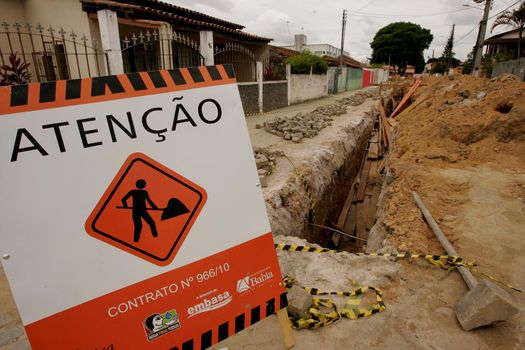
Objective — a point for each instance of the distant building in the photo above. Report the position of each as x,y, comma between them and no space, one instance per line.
506,42
300,44
329,53
347,61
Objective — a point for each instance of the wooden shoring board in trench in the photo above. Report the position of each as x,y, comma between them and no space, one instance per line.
132,214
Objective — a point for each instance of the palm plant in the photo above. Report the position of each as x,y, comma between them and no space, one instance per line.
515,19
14,73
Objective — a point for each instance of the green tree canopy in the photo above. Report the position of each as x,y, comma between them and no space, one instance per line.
401,44
301,64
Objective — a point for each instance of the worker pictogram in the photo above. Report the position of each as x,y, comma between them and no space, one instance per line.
147,210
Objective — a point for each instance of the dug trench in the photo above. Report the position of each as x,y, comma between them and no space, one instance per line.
324,188
460,146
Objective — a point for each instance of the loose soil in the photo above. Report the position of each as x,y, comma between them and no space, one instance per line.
461,146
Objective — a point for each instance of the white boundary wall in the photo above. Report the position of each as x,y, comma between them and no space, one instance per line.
306,87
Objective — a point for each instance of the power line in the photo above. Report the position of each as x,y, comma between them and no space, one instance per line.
477,25
504,9
368,4
384,15
464,36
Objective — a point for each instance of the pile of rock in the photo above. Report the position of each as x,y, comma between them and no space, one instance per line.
266,160
330,110
299,126
354,100
359,98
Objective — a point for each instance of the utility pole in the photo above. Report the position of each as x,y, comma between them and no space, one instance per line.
481,38
342,40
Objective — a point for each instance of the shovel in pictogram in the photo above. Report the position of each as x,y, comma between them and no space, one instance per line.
173,209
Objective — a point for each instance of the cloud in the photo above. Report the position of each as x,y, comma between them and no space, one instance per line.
321,21
221,5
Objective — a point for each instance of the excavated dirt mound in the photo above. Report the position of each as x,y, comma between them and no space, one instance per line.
461,146
463,151
452,124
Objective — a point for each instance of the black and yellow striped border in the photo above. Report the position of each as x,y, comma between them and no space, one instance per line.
60,93
234,326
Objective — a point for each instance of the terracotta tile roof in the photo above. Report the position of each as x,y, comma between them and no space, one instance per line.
506,37
283,52
167,7
347,61
139,10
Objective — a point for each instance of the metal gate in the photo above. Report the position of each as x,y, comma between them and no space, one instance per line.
242,59
151,51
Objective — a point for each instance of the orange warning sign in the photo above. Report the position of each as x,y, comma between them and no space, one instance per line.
147,210
188,308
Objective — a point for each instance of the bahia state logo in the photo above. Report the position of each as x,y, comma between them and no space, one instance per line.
250,282
157,325
210,303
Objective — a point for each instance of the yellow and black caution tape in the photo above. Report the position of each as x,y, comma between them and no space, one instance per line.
510,286
299,248
445,262
437,260
311,213
323,312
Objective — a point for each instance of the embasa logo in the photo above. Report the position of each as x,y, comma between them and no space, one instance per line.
213,303
249,282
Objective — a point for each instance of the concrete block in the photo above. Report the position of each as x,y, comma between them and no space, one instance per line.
299,301
484,305
375,238
263,181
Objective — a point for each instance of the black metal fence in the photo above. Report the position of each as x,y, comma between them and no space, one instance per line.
51,54
242,59
151,51
54,54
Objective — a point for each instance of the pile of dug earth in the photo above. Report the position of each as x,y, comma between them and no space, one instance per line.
461,146
461,123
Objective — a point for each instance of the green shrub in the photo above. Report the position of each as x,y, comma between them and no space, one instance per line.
301,64
488,61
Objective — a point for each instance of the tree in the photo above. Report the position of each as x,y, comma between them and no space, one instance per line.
306,61
447,60
448,54
515,19
467,65
439,66
401,44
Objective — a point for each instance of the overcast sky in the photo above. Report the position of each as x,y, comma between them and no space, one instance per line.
321,20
